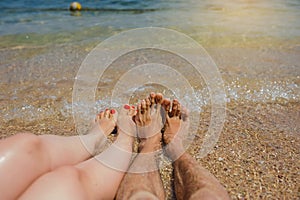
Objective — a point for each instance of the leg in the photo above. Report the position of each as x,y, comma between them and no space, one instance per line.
192,181
90,179
29,156
72,150
148,184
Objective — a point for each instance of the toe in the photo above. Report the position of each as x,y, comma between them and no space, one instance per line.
152,98
178,111
107,113
127,107
174,108
166,104
143,106
138,117
148,108
132,111
148,104
100,115
159,98
111,113
140,109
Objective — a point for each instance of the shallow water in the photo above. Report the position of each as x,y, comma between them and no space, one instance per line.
247,39
255,44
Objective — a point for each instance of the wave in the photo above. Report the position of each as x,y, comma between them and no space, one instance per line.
87,9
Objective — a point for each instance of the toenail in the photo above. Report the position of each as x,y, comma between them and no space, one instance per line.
113,111
127,107
133,107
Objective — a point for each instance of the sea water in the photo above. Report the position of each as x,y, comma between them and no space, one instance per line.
255,44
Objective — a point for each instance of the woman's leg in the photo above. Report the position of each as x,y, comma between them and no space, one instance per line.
95,178
24,157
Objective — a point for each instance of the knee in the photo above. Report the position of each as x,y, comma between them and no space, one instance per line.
28,142
69,187
27,148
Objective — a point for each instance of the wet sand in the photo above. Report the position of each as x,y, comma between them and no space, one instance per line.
257,155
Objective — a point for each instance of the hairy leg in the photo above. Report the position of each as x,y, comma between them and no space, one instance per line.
191,180
90,179
24,157
148,184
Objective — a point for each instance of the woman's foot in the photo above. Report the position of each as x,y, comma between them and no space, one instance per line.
104,124
125,123
107,121
118,154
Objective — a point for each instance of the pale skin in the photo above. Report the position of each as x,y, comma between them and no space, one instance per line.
191,180
90,179
34,157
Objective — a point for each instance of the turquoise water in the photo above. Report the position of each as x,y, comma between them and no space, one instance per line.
239,18
255,43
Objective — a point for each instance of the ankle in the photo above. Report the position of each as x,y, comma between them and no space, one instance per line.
174,149
150,144
124,140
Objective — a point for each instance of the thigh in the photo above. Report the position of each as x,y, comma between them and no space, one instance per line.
62,183
22,160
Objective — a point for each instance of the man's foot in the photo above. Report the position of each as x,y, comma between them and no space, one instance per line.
173,120
144,168
175,128
149,121
191,180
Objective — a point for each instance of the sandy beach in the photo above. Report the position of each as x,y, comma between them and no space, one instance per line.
256,157
254,44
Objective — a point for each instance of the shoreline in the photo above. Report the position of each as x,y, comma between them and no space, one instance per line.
255,157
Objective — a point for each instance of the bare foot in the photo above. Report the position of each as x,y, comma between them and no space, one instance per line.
144,168
103,125
125,121
176,128
149,121
119,153
107,121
